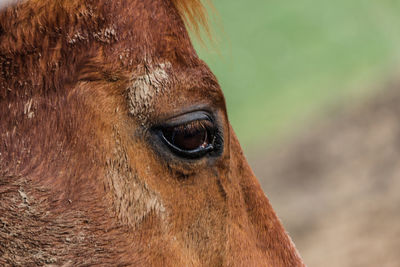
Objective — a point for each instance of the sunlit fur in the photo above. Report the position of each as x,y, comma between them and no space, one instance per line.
83,179
195,15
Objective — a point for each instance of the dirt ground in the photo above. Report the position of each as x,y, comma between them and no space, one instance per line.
336,186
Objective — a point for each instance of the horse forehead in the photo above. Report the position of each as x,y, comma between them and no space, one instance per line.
149,81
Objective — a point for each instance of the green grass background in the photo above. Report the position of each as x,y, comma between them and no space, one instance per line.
281,62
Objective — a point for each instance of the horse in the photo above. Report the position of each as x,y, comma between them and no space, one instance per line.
116,147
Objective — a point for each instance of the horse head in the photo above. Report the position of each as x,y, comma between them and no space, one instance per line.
116,145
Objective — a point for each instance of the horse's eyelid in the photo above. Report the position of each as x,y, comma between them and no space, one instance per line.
188,118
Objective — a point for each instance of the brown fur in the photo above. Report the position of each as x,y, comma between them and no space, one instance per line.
81,83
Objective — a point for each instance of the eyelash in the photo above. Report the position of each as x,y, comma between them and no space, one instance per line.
192,139
193,126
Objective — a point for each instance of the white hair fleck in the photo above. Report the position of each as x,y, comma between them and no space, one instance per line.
145,87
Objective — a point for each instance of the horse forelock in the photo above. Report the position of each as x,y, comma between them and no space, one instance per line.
194,13
57,39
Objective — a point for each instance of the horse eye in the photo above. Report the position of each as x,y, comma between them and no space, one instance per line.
192,140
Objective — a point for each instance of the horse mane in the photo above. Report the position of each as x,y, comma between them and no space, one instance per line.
194,14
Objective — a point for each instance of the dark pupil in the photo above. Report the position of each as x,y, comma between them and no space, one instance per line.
187,138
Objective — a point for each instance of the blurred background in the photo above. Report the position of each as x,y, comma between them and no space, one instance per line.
313,92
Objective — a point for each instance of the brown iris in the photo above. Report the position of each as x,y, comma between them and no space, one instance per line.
189,136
